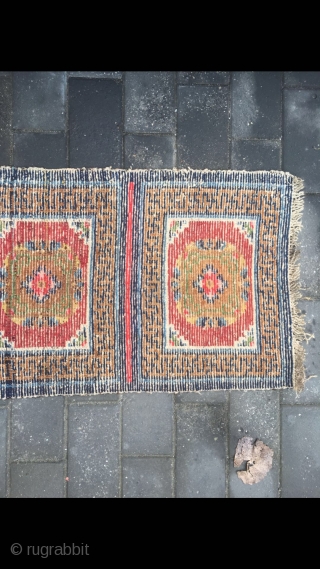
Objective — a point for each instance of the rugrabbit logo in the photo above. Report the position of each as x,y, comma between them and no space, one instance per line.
45,551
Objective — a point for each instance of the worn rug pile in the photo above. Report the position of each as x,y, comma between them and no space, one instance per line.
150,280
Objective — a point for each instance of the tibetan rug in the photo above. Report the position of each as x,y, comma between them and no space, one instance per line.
148,280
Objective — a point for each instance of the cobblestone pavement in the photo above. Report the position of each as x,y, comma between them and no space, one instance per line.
165,445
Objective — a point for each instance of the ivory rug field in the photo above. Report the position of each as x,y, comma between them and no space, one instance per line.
148,280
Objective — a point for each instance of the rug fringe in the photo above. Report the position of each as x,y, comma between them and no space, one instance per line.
298,319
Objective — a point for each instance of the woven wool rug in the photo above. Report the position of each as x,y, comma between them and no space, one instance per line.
152,280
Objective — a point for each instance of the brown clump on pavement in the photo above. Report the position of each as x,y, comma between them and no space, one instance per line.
258,457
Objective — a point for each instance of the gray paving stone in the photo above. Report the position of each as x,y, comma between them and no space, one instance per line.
147,477
95,123
150,102
254,414
97,74
311,392
44,150
300,452
301,143
37,480
203,127
202,397
5,121
98,398
255,154
39,100
201,451
93,451
149,151
302,78
256,104
3,450
309,245
37,429
147,424
203,77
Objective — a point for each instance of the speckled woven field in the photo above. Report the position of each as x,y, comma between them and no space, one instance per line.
150,280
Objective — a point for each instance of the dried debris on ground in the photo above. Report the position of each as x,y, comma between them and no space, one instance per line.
258,457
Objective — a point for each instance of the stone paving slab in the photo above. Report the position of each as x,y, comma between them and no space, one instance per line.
254,414
37,429
39,100
203,77
256,154
149,151
300,452
40,149
37,480
201,451
95,123
147,477
311,391
96,74
309,247
302,79
150,103
147,424
301,144
256,104
202,397
5,121
203,125
94,451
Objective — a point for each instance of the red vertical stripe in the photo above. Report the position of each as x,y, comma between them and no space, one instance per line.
128,272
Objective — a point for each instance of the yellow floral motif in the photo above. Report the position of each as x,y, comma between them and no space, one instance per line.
230,303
